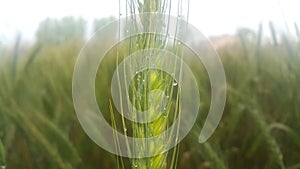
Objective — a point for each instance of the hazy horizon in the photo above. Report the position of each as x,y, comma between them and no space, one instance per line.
212,18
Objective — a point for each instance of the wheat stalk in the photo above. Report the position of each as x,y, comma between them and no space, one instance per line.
148,89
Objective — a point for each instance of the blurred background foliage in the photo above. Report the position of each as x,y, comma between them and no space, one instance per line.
59,31
259,129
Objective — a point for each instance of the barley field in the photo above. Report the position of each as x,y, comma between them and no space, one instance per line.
260,127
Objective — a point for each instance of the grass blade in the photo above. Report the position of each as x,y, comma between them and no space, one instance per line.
2,154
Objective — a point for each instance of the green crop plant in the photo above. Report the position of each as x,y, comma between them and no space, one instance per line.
2,154
259,129
151,89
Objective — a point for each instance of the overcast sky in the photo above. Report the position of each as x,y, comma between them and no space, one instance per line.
212,17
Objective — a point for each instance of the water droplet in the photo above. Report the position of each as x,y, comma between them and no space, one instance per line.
134,165
136,72
143,80
168,97
175,84
127,31
179,43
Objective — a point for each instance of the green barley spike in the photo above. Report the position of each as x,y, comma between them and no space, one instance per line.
273,33
144,92
297,31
